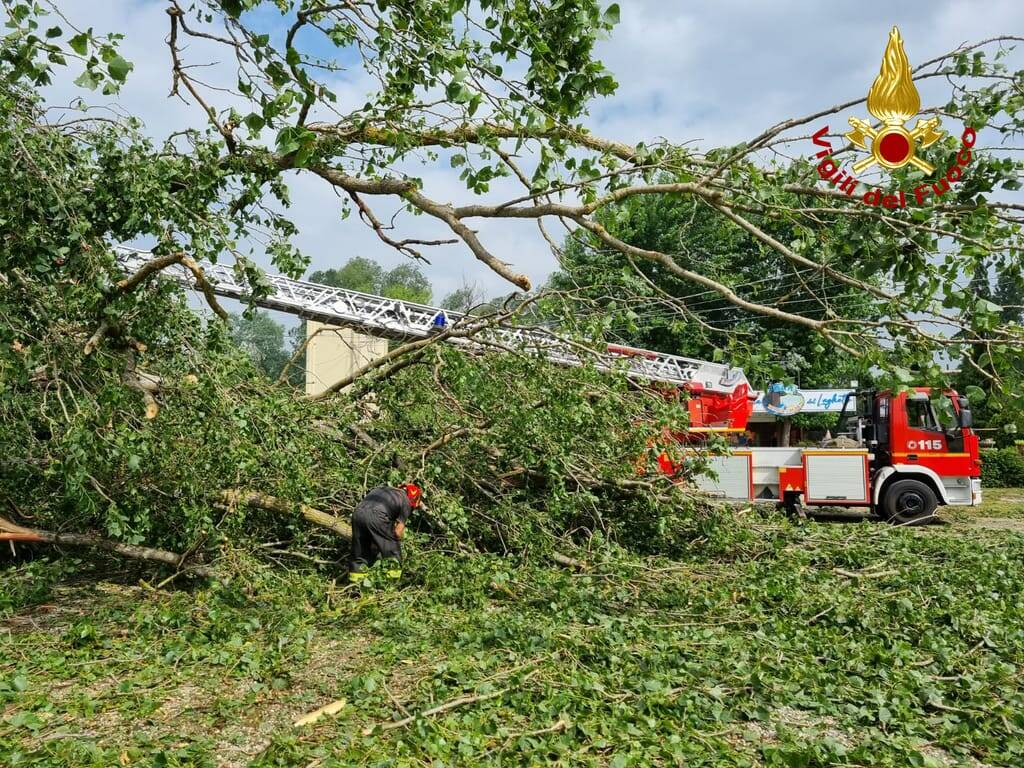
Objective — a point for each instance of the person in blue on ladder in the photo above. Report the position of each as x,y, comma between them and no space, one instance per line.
378,524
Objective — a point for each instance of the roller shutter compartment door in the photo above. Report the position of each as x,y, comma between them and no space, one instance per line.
734,477
836,478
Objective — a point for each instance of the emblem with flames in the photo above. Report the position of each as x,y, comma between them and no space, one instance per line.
893,99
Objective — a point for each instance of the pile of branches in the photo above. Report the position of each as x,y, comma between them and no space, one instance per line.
514,454
156,438
129,422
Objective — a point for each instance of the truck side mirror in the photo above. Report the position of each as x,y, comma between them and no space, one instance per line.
966,418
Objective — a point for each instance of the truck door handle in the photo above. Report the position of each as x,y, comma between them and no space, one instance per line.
912,457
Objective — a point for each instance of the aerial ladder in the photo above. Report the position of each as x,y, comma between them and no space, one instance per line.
719,396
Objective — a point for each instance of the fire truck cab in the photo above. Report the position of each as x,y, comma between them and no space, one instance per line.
919,456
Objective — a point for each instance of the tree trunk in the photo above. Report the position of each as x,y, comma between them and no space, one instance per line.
11,532
785,427
274,504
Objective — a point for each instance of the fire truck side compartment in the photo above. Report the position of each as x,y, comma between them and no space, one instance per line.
840,477
735,476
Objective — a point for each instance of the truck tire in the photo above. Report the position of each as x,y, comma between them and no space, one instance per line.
909,502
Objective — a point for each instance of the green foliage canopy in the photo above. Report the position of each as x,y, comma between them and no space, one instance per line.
517,79
643,304
405,281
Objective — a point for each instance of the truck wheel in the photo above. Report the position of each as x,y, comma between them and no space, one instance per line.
909,502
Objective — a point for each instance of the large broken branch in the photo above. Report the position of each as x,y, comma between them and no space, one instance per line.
151,267
12,532
235,498
204,286
346,152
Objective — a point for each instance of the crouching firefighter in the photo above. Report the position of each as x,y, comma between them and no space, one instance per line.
378,524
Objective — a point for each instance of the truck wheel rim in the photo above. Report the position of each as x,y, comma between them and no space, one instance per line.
910,503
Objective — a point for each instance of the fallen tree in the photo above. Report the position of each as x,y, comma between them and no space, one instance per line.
124,413
515,455
11,532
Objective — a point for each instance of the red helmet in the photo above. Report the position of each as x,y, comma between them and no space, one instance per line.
414,492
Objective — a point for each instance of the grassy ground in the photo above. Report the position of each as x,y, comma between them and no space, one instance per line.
1003,508
774,644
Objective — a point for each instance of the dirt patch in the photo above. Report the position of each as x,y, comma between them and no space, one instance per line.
822,726
996,523
72,603
944,758
767,732
312,686
813,727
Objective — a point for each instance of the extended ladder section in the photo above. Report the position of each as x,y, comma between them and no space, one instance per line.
721,397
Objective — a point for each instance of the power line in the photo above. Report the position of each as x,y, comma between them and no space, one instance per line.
837,293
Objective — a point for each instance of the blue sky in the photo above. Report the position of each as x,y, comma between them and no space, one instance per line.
709,72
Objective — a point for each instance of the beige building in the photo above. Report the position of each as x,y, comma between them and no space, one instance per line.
334,353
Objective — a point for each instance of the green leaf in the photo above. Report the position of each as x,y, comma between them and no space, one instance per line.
87,80
287,140
302,156
986,307
458,93
254,122
119,68
232,7
975,394
79,43
611,15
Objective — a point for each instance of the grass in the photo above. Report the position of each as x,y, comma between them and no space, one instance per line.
1003,508
775,644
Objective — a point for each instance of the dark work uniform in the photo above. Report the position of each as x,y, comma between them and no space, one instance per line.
373,527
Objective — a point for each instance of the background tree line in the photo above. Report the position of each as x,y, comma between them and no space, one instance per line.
271,345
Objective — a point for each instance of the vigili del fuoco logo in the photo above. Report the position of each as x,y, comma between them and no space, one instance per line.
894,101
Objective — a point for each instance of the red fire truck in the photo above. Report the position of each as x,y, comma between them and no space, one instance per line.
895,455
